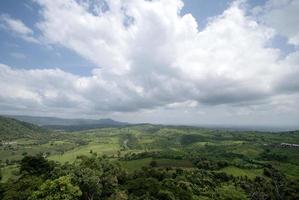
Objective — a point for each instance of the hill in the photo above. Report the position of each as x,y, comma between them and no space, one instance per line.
69,124
162,162
12,128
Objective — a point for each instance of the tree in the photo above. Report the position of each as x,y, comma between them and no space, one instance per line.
153,163
22,188
166,195
96,176
36,165
230,192
58,189
1,191
1,187
119,195
89,182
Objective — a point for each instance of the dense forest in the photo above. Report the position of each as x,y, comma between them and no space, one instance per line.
146,162
95,177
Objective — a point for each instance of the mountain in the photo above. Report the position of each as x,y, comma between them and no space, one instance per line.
12,128
69,124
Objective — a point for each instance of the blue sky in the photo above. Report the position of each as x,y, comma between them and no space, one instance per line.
35,55
219,61
20,54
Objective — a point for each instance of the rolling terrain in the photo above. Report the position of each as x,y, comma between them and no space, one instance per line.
236,156
11,128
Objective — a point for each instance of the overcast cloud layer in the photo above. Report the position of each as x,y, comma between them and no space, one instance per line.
152,60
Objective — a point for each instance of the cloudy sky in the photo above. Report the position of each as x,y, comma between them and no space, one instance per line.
160,61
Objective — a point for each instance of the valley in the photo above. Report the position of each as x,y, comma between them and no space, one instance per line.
237,154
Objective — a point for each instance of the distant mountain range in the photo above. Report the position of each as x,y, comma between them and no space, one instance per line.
78,124
68,124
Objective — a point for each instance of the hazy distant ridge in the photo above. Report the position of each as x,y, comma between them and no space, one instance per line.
68,124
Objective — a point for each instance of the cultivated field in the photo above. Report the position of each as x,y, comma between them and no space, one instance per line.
244,153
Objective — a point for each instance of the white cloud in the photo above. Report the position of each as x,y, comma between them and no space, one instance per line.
283,17
17,27
288,79
156,60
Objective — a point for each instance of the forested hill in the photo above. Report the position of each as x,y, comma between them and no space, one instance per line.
69,124
12,128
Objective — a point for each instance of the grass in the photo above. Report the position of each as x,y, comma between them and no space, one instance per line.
249,150
174,163
213,145
231,192
133,165
291,170
7,172
99,148
235,171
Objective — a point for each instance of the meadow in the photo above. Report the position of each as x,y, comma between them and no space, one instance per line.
235,153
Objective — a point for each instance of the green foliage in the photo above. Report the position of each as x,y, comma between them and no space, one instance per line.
1,191
119,195
58,189
129,141
228,192
187,163
11,128
268,155
204,163
22,188
97,177
153,163
36,165
190,139
167,195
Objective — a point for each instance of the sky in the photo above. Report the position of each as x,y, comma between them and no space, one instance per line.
192,62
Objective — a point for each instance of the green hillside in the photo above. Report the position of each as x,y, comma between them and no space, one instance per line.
149,162
12,129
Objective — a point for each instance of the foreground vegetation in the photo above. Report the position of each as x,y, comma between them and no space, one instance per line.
147,162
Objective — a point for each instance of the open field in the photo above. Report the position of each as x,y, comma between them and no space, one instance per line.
8,172
109,148
212,155
172,147
145,162
216,162
235,171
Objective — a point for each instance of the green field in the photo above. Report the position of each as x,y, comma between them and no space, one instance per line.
8,172
174,147
209,154
136,164
235,171
145,162
110,148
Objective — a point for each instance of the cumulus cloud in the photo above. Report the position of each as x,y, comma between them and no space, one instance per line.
288,79
149,56
17,27
283,17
